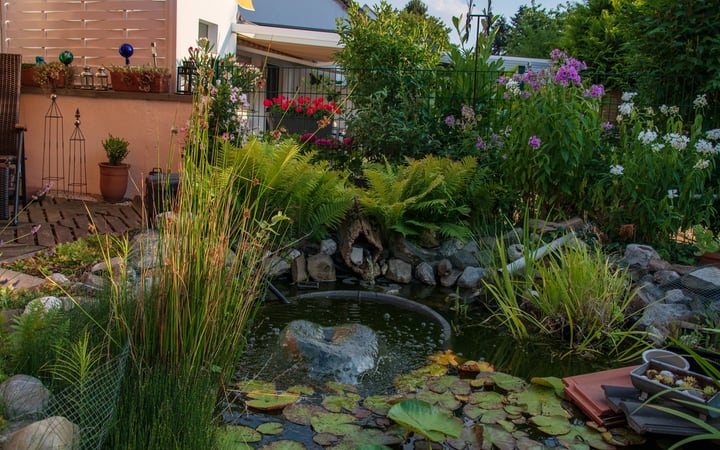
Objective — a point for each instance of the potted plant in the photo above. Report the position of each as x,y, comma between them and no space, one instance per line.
114,173
140,78
708,245
44,75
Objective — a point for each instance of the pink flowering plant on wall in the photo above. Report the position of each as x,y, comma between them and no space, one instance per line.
658,172
551,132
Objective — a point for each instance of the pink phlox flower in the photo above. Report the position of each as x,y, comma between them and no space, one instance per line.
534,142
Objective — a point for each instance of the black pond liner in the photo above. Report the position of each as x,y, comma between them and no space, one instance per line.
394,300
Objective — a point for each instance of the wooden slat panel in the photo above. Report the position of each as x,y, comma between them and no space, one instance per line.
46,27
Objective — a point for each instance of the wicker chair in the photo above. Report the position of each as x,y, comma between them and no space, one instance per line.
12,144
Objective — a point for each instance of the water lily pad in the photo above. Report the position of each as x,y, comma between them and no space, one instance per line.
335,423
493,435
508,382
337,403
283,445
371,438
268,401
446,358
539,400
255,386
300,389
425,419
339,388
487,399
525,443
514,410
581,434
380,404
445,400
232,436
476,367
623,437
452,383
301,414
270,428
551,382
471,437
325,439
552,425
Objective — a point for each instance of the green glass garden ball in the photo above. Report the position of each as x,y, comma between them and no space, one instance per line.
66,57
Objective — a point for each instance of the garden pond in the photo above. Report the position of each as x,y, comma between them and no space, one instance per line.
276,400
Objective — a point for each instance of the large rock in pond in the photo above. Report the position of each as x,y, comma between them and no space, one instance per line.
342,352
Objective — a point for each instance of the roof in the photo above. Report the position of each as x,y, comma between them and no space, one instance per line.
309,47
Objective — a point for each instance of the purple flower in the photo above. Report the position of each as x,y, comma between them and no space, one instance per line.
480,143
534,142
567,75
607,126
595,91
35,229
450,121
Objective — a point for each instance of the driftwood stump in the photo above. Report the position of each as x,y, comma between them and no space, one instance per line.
357,235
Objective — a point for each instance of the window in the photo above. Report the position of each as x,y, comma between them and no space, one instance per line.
208,30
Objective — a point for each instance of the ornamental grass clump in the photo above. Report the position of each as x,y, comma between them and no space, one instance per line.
187,323
575,293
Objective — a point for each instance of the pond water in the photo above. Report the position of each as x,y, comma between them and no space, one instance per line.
405,337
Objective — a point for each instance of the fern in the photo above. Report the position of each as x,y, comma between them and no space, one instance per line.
30,346
315,197
427,194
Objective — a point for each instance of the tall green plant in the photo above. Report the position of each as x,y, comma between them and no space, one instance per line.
554,134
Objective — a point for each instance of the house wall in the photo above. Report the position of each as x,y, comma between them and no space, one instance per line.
221,13
305,14
146,122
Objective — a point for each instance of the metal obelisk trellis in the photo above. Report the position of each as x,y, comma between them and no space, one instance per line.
53,163
77,165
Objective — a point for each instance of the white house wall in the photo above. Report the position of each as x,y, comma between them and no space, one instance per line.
221,13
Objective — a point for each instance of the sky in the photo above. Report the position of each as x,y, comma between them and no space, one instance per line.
446,9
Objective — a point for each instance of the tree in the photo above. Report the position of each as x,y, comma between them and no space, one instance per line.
592,33
389,58
534,32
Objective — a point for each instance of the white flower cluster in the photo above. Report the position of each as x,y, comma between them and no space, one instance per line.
700,101
617,169
702,164
513,87
647,136
677,141
628,96
670,110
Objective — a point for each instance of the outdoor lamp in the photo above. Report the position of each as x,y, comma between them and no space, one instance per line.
185,74
101,79
86,78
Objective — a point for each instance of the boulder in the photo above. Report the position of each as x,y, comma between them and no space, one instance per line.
640,255
425,274
53,433
321,267
342,352
399,271
471,278
24,397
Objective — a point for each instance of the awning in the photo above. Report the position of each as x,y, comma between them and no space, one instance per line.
312,48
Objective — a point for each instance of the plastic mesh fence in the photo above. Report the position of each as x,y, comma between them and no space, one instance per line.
91,405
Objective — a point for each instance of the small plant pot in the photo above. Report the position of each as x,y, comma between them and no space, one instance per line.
667,357
710,259
113,181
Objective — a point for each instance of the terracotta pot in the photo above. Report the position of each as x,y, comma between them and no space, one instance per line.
137,82
113,181
710,259
27,78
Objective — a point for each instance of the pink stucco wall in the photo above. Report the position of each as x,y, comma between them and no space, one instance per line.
145,120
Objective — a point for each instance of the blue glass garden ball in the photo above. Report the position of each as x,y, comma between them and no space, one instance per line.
126,50
66,57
